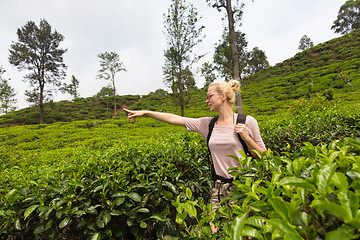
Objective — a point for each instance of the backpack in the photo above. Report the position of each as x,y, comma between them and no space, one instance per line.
241,118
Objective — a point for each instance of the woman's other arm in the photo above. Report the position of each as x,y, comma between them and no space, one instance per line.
165,117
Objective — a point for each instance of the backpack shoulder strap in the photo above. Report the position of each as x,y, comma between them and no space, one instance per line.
211,127
241,118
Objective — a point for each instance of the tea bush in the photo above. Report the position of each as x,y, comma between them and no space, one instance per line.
109,179
311,194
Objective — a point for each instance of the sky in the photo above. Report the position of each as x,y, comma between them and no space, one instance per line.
135,30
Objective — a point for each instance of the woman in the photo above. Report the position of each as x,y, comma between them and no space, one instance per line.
224,140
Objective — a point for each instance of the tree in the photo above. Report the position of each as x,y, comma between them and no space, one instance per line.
72,88
37,51
182,34
208,72
234,15
110,65
223,57
7,94
348,18
105,92
305,43
257,61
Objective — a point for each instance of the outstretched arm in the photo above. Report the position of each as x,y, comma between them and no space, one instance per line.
165,117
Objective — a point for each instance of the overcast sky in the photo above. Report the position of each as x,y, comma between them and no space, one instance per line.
134,29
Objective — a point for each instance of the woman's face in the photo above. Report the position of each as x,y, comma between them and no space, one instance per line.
213,99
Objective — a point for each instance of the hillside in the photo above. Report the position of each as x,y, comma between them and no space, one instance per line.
322,69
330,69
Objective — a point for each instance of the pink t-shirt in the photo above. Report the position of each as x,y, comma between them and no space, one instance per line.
224,141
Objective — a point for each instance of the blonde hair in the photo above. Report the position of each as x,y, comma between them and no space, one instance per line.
229,88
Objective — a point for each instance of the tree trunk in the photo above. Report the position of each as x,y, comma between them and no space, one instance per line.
113,80
181,90
234,54
41,104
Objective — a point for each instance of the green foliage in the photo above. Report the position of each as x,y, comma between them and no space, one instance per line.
311,194
110,179
7,94
348,18
96,178
315,121
37,51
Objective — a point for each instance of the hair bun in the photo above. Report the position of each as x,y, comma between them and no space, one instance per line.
235,85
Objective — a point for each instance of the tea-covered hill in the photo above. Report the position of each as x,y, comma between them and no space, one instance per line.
330,69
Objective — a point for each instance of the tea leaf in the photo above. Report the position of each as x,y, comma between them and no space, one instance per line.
158,217
134,196
29,210
64,222
237,226
297,182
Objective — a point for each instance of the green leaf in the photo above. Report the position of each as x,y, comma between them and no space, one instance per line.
29,210
167,194
158,217
280,207
39,229
237,226
143,224
188,193
106,217
339,180
251,232
297,182
332,208
134,196
143,210
350,203
18,224
190,208
337,234
119,200
95,236
284,228
323,177
116,213
64,222
171,186
256,221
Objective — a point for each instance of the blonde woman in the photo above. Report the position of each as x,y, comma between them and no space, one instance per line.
224,138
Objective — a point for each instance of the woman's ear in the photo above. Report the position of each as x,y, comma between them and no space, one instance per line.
224,97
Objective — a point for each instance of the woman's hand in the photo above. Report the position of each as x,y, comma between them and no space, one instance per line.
242,130
133,114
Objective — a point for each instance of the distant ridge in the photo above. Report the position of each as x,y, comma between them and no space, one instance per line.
331,69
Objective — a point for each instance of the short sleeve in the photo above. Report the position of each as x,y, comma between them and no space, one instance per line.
199,125
254,131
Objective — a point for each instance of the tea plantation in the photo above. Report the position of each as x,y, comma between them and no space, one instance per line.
109,179
86,175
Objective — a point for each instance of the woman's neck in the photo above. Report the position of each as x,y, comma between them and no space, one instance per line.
226,116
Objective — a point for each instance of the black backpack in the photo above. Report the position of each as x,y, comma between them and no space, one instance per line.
241,118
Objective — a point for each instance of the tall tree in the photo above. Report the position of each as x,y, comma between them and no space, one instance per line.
37,51
7,94
223,57
305,43
72,88
182,34
348,18
110,65
257,61
208,72
234,15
